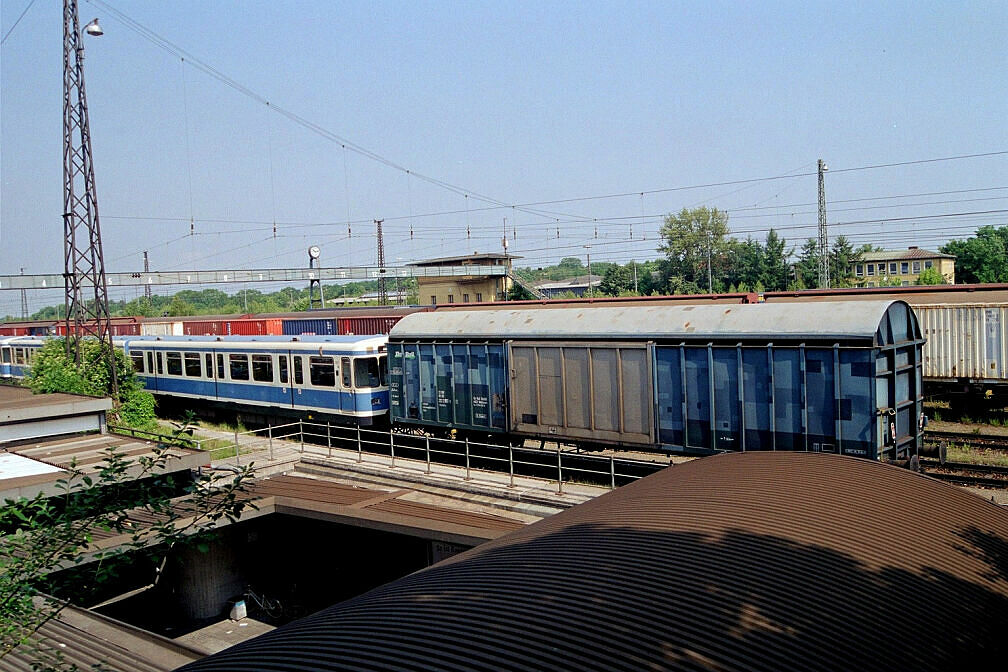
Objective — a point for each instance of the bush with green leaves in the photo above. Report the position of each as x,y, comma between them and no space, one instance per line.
52,370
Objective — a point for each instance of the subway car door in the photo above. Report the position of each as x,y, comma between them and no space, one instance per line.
346,395
297,380
286,379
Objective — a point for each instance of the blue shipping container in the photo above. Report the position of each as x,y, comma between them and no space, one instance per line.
318,326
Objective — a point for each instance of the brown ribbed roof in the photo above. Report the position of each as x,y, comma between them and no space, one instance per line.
747,561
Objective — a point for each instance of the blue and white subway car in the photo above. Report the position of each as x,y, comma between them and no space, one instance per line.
17,353
340,376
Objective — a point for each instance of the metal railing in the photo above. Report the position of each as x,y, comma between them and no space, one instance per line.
423,452
166,439
417,452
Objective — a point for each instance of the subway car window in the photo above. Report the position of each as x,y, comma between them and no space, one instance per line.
345,372
6,355
160,362
138,361
366,372
298,371
322,371
262,368
173,363
220,366
239,367
192,365
383,370
282,362
209,365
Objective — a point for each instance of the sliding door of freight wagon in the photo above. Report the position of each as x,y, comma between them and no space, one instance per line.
582,392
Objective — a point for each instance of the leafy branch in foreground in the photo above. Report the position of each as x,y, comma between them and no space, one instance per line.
43,535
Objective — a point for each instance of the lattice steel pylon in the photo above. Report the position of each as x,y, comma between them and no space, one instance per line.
824,261
382,289
87,311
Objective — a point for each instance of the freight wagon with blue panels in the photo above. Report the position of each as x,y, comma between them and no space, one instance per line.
337,376
840,377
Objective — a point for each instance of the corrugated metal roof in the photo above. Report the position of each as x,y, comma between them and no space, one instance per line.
818,320
745,561
89,641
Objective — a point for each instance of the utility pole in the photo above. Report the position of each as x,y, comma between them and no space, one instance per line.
588,247
87,311
710,284
382,291
147,291
24,301
824,279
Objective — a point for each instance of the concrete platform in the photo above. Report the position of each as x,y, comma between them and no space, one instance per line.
222,635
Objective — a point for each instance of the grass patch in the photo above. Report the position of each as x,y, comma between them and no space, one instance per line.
219,449
968,454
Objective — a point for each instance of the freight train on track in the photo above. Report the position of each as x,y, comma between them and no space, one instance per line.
843,377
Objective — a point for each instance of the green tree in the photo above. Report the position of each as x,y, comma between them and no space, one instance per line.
808,264
930,276
982,258
697,250
179,307
617,279
748,267
842,259
775,272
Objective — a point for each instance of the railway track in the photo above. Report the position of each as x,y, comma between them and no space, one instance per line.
975,475
977,440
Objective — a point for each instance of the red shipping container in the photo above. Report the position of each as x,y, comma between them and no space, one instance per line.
202,327
126,329
364,326
236,327
255,327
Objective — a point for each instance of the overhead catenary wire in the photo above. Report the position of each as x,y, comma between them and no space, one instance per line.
17,21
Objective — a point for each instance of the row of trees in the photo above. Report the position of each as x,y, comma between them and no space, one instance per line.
701,256
215,302
982,258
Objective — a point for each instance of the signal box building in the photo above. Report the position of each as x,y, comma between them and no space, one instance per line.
901,267
480,287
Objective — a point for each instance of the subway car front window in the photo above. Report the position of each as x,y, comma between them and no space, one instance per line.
367,372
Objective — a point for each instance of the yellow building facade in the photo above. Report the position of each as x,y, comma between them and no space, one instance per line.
476,288
901,267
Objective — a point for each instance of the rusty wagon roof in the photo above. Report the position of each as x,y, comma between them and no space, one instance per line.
746,561
782,321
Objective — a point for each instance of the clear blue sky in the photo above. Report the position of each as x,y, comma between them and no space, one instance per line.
520,102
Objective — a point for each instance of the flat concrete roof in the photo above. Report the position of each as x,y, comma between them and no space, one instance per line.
19,404
87,453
